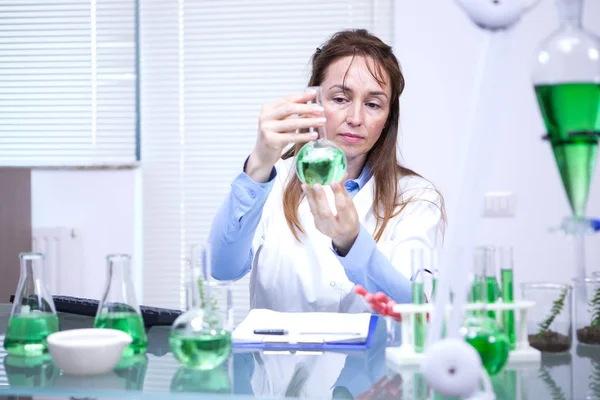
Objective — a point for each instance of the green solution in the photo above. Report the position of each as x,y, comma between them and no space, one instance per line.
26,334
489,340
201,350
492,293
508,317
320,162
571,113
128,322
418,297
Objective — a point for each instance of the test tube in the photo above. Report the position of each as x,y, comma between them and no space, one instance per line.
505,260
418,297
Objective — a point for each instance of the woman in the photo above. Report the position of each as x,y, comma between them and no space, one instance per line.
302,256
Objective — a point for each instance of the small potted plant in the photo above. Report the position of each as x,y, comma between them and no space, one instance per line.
588,310
552,332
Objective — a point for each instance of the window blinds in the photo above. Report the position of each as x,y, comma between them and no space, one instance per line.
206,69
67,82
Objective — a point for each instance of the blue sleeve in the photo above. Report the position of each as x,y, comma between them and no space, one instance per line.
233,227
366,265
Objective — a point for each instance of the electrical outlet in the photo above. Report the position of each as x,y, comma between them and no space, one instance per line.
500,205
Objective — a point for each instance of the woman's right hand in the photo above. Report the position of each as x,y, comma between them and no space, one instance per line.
277,127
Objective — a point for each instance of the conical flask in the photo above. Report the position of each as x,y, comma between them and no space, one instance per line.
566,78
118,308
33,316
200,338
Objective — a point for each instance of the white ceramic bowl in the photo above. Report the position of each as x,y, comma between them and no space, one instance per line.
87,351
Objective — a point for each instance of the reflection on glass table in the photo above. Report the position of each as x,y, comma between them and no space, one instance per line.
330,375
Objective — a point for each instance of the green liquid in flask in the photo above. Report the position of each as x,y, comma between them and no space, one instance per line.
128,322
26,334
508,317
570,111
202,351
418,297
320,162
489,340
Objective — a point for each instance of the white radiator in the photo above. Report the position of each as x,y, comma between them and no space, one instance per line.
63,253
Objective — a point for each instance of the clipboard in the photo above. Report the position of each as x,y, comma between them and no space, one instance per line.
281,344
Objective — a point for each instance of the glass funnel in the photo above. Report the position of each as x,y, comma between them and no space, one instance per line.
566,78
200,338
118,308
33,316
320,161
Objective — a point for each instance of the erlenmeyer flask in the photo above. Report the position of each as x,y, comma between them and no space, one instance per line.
33,316
118,308
566,77
200,338
320,161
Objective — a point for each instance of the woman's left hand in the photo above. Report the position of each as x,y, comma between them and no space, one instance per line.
342,228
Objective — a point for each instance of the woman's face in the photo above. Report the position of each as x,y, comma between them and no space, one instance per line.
356,105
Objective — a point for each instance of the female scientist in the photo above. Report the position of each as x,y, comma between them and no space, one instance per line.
301,255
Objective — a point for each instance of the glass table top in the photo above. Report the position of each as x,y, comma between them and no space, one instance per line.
279,374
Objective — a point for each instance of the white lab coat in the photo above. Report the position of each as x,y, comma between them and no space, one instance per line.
307,277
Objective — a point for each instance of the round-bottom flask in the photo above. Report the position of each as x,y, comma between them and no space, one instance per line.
322,162
198,341
490,341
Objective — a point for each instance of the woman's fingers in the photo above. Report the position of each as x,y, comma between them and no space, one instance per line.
293,124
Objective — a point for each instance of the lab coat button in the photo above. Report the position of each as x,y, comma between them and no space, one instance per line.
332,283
252,193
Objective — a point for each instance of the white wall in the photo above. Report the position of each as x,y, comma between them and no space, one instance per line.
103,206
439,48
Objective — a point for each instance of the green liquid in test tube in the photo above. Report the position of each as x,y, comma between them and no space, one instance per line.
506,277
418,297
492,293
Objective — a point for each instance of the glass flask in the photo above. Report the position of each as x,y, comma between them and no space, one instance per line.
320,161
549,321
566,78
480,328
200,338
33,316
118,308
587,310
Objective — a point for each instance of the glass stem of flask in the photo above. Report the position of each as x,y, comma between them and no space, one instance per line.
117,278
570,12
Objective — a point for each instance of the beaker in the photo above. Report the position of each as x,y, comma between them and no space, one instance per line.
33,315
119,308
549,321
587,310
200,338
320,161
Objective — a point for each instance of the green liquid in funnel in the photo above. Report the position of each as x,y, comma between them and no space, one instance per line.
570,110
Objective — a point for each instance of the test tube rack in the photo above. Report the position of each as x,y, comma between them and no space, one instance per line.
405,357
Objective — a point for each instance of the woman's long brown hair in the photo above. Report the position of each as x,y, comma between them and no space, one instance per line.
388,201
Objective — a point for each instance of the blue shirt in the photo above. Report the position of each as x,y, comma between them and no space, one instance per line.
236,221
